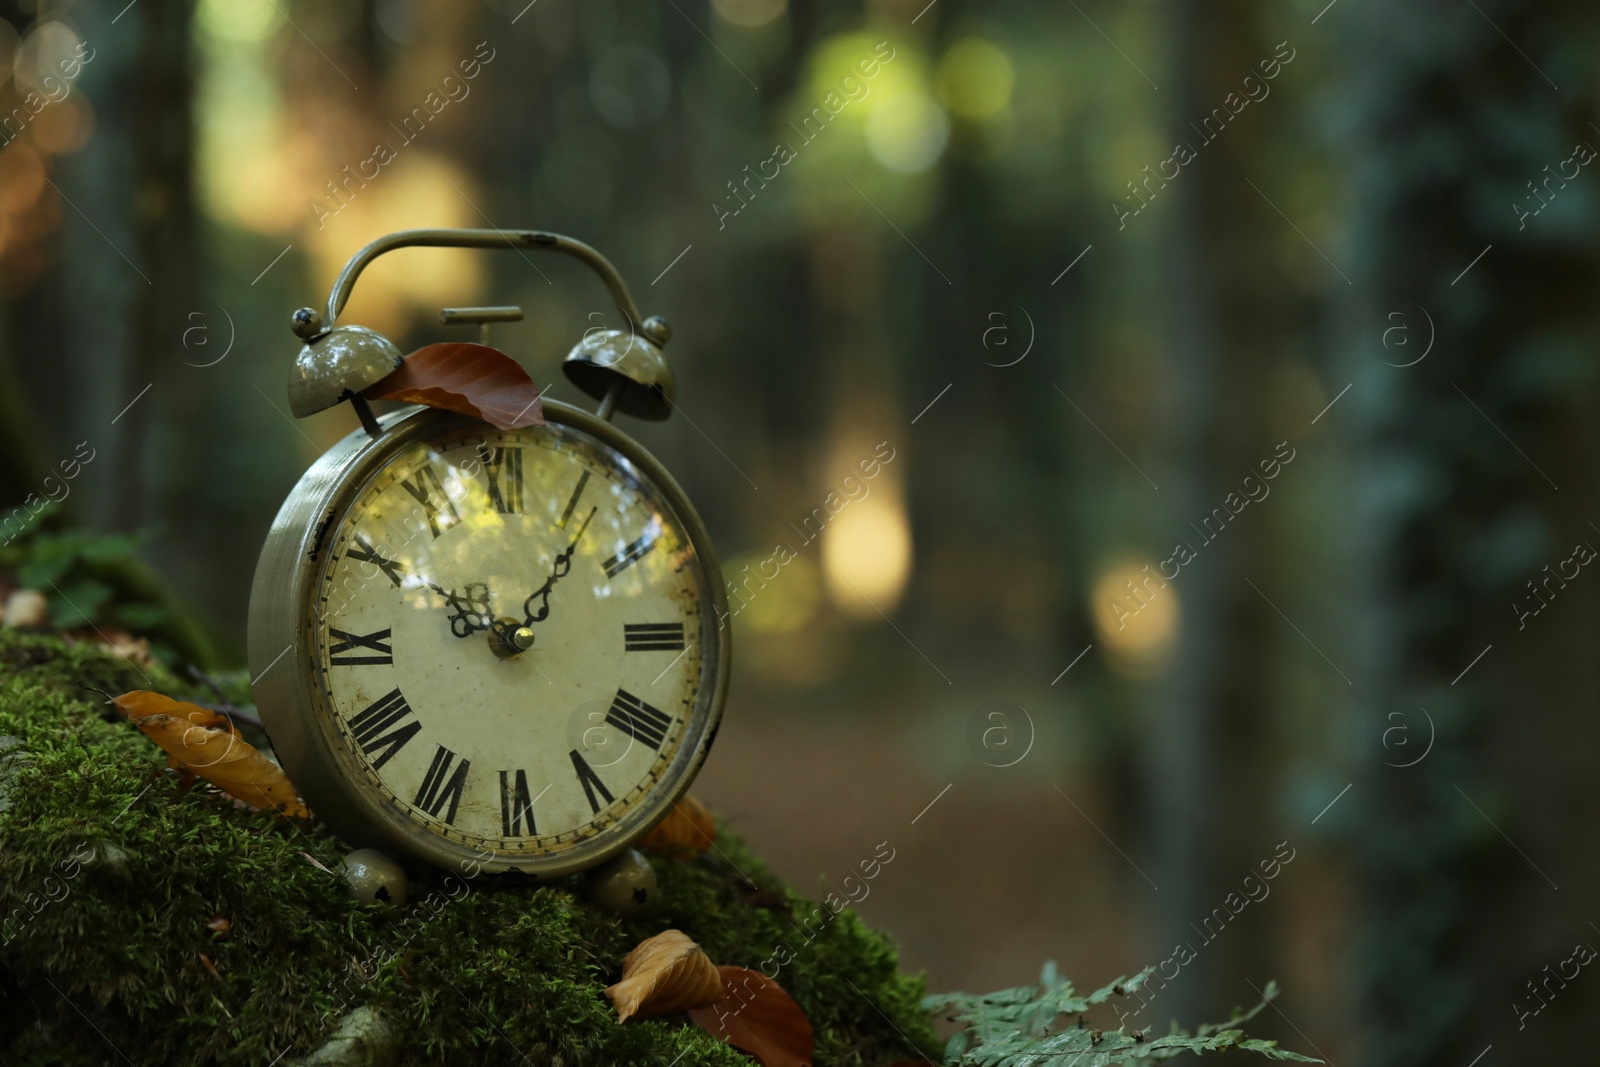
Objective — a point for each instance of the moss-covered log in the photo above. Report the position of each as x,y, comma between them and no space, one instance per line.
112,877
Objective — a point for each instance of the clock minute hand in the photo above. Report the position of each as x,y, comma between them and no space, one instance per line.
560,569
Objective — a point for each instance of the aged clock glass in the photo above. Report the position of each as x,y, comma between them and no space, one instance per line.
468,535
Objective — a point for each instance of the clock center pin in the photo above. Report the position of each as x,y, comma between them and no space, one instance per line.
507,638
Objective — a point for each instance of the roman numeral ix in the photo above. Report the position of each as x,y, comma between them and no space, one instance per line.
376,642
516,807
639,720
652,636
439,786
378,727
442,512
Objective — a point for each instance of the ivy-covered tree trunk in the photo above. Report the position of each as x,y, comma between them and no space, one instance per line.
1476,469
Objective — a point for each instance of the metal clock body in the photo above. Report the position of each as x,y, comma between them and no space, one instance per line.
491,648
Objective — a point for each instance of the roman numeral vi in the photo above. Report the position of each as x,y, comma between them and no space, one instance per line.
515,806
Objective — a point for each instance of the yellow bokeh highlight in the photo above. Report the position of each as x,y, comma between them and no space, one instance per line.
1135,613
237,21
750,13
418,190
907,133
904,127
975,79
866,551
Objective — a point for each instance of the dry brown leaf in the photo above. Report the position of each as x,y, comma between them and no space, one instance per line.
201,741
687,830
469,379
664,974
758,1017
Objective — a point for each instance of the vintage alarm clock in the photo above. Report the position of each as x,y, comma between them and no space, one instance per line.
483,646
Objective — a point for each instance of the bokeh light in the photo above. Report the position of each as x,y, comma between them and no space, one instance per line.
1135,614
866,552
975,79
750,13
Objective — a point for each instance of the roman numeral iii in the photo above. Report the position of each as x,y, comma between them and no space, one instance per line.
378,727
440,787
630,555
652,636
591,782
516,808
639,720
378,643
436,503
502,467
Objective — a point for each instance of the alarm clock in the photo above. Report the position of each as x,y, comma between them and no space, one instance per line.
482,647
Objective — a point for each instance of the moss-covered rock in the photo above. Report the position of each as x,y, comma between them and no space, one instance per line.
111,875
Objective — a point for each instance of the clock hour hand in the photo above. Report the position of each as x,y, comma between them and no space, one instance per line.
470,608
559,570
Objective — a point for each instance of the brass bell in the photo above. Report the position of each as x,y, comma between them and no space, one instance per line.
627,367
336,365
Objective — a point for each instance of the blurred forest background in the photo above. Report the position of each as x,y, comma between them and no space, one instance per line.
1085,347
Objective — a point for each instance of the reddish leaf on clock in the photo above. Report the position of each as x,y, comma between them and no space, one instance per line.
466,378
756,1016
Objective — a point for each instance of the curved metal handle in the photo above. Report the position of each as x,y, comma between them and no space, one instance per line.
513,239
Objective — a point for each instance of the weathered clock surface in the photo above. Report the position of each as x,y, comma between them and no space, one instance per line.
461,538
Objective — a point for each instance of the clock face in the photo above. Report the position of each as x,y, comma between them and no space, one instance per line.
458,541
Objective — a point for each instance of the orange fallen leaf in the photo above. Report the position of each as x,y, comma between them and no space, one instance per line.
664,974
212,967
755,1015
466,378
686,831
201,741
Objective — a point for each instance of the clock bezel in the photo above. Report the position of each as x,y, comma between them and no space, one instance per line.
283,652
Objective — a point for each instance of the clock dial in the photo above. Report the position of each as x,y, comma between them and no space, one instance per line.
456,544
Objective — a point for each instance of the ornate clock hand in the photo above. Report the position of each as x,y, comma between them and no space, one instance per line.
561,568
471,607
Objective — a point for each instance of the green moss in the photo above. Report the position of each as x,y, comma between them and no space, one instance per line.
469,970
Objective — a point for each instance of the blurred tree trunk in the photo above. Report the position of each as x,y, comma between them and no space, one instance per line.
1453,519
1211,802
161,141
